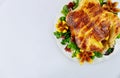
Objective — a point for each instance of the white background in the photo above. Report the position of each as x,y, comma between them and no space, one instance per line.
29,50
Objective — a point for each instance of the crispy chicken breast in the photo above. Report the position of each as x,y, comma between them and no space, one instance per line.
92,27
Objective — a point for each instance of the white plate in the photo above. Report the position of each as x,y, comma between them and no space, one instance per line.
96,60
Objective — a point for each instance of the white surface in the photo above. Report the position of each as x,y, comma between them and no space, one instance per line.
29,50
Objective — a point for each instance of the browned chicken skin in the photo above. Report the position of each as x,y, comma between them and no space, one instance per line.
92,27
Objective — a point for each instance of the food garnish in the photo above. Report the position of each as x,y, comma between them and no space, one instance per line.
88,28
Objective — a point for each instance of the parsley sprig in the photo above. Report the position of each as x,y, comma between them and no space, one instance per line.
76,2
118,37
101,2
65,10
67,41
73,46
98,54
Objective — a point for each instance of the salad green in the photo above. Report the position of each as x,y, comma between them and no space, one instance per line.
76,2
109,51
62,18
118,37
65,10
101,2
98,54
58,34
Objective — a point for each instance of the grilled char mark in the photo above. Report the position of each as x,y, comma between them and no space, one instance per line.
94,9
78,19
90,5
81,42
83,45
98,19
102,31
90,25
94,48
98,34
105,27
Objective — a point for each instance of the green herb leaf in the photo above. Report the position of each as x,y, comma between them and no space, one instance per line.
65,41
72,45
98,54
93,57
65,10
67,34
76,4
109,51
75,53
118,37
66,37
63,18
58,34
101,2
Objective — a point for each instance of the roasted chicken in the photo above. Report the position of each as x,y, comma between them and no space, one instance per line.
93,27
